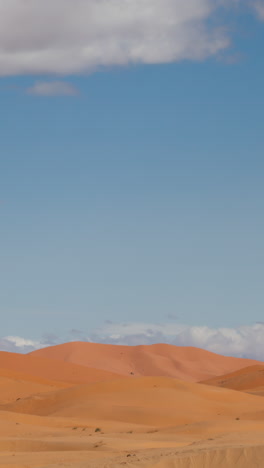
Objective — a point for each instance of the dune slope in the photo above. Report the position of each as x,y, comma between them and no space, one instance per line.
40,369
15,385
249,379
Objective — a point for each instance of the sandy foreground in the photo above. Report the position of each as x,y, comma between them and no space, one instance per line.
111,420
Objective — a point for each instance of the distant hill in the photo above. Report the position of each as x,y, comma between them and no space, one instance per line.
185,363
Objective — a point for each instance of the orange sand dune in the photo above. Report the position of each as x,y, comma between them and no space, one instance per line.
146,401
41,368
55,412
185,363
249,379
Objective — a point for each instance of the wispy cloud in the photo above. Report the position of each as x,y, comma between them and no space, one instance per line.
259,6
66,37
52,88
244,341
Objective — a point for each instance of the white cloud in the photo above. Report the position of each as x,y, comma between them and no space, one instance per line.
66,36
244,341
52,88
17,344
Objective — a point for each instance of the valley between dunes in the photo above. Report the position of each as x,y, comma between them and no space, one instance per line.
81,405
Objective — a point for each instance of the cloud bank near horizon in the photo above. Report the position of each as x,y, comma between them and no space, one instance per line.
244,341
65,37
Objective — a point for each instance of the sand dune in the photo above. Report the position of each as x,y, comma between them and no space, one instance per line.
185,363
155,422
57,413
41,368
249,379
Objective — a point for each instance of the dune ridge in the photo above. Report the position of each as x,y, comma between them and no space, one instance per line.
185,363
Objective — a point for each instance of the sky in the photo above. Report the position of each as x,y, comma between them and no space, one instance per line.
131,173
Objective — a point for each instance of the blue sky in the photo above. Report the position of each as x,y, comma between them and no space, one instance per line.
133,193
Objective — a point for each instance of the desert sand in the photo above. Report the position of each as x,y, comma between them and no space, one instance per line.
58,413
